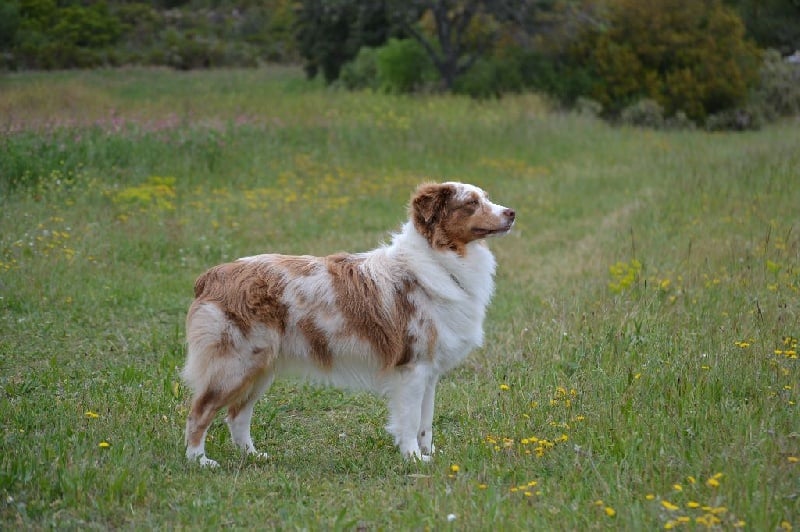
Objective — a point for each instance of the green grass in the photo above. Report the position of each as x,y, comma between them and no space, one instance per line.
640,355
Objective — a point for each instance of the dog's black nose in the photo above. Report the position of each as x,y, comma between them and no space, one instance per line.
509,213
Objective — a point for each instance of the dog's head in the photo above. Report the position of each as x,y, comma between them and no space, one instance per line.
451,215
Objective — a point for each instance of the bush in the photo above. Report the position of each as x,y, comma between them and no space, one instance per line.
46,34
588,107
679,121
491,77
361,72
188,51
740,119
778,91
644,113
403,66
685,55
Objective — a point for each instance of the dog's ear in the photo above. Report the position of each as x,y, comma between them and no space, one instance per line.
428,204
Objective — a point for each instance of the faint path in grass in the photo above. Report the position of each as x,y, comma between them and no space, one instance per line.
567,251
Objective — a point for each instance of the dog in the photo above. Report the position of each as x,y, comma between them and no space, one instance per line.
391,320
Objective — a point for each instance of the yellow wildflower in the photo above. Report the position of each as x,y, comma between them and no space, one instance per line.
669,506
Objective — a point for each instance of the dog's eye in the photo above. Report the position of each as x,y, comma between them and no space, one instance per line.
473,203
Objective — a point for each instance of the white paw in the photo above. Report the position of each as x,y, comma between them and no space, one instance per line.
258,454
426,450
204,461
416,455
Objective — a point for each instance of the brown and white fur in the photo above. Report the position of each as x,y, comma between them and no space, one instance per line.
391,320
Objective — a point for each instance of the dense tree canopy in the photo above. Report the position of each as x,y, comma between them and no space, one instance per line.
686,55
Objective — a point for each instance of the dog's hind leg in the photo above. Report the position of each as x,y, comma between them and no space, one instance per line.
240,414
204,408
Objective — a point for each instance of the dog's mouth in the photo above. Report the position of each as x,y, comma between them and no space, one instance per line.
481,231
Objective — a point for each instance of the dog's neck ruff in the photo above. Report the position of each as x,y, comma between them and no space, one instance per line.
444,272
458,283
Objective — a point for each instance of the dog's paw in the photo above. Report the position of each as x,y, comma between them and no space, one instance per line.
429,451
205,461
258,454
416,455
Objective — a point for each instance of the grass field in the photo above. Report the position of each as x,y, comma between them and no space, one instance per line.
640,368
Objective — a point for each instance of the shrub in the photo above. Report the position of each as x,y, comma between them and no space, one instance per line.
588,107
403,66
644,113
679,121
739,119
778,91
361,72
490,77
188,51
685,55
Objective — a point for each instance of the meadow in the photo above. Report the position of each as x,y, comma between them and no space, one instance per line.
640,368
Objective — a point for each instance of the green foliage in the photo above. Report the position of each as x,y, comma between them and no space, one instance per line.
46,35
187,51
687,56
644,113
778,91
588,107
330,33
403,66
362,72
558,75
9,23
492,76
50,36
738,119
772,23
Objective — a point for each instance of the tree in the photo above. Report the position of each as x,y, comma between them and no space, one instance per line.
772,23
330,32
456,33
687,55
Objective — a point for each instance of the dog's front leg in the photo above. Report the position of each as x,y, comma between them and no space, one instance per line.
425,435
407,390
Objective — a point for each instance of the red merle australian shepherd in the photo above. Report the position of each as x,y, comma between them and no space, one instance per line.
391,320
